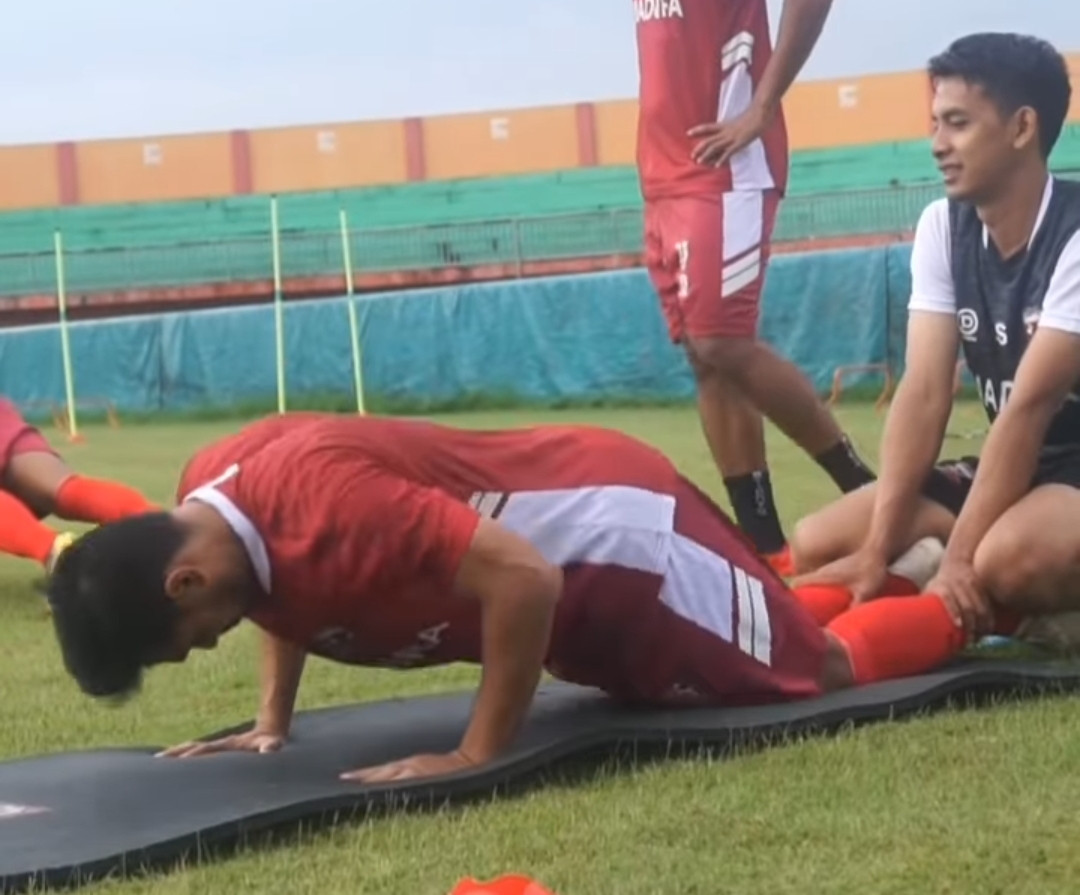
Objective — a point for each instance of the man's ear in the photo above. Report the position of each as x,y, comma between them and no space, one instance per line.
1025,127
182,582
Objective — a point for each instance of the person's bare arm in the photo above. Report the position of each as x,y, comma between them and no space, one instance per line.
801,24
281,668
1007,464
915,425
914,429
1047,373
517,590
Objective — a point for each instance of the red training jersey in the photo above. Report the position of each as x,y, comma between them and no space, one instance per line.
700,61
356,527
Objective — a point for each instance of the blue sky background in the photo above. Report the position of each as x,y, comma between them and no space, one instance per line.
74,69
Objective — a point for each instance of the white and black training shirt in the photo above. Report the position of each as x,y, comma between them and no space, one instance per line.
956,269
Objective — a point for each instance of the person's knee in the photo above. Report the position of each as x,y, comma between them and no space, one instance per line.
832,532
1017,568
35,477
727,358
811,543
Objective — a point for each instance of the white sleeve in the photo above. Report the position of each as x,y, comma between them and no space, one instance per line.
1061,305
932,286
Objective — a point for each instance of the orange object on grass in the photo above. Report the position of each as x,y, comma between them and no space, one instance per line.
512,884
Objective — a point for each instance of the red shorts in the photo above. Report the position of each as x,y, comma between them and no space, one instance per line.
718,627
706,257
17,436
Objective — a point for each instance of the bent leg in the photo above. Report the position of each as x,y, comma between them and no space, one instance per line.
724,629
839,528
48,485
22,533
1029,561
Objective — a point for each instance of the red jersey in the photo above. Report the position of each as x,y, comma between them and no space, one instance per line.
700,61
356,527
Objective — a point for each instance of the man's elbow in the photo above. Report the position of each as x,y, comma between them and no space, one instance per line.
540,582
1034,409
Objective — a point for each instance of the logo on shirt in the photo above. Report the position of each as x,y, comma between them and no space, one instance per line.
652,10
968,321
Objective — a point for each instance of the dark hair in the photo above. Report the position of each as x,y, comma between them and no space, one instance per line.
110,610
1013,70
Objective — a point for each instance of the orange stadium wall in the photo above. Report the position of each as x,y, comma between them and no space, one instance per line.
616,132
501,143
821,115
29,176
873,109
155,169
319,158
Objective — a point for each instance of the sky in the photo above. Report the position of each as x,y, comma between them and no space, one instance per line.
90,69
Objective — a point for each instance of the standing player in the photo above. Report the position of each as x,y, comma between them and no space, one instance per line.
35,482
399,543
713,164
995,271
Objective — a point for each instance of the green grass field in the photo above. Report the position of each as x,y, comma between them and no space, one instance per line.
974,801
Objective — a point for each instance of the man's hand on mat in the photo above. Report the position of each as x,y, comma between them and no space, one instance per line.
411,768
252,741
863,573
957,585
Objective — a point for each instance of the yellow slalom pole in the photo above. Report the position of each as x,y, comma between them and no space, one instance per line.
354,329
65,343
279,333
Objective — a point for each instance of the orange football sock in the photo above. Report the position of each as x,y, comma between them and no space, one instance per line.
84,499
21,532
823,601
511,884
898,636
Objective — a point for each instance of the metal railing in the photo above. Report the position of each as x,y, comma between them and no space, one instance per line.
509,244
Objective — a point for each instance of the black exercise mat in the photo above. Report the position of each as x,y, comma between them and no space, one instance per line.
67,817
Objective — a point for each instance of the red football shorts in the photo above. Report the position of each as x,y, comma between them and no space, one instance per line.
17,436
706,257
717,628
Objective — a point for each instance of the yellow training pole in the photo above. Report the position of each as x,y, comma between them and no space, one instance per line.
354,330
65,343
278,311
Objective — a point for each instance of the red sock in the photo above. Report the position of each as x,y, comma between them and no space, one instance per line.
823,601
826,601
84,499
897,636
21,532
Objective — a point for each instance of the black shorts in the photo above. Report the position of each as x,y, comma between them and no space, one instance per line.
950,481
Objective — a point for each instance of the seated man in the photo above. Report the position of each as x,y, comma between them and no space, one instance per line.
400,543
35,482
996,271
